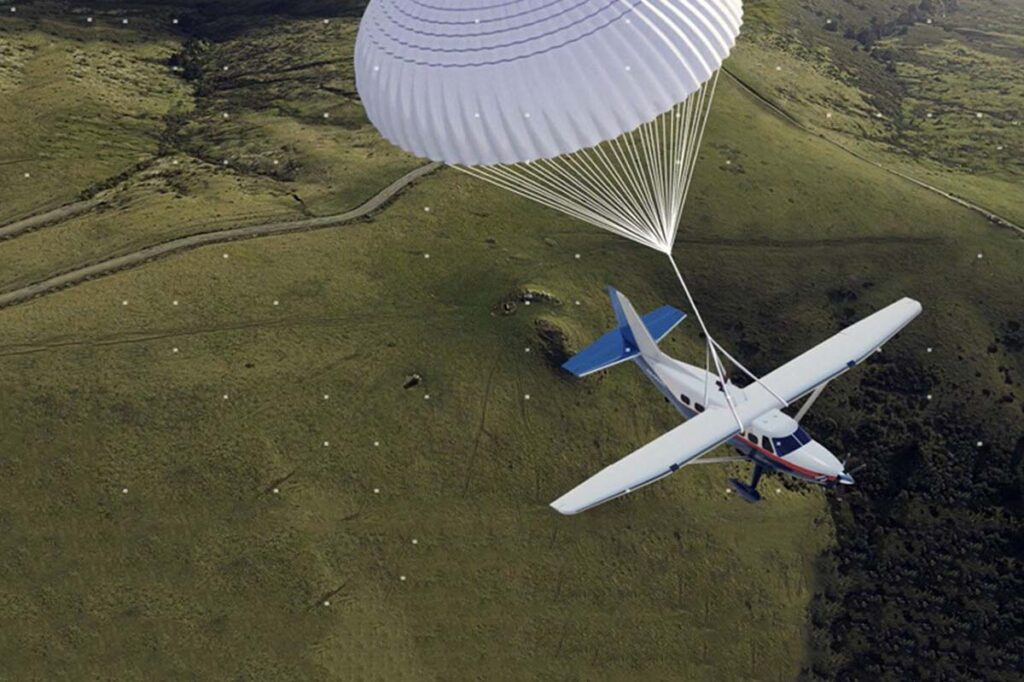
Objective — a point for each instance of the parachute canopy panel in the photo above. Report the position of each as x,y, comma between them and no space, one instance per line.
483,82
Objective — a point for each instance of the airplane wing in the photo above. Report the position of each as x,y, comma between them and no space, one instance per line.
667,453
830,358
659,458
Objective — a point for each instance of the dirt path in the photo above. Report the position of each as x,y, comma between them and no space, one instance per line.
110,265
56,215
782,113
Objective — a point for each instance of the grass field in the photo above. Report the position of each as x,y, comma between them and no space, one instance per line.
190,484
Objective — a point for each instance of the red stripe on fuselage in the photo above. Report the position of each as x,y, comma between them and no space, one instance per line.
783,462
771,455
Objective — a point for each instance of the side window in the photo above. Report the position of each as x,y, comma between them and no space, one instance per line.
698,407
686,401
766,443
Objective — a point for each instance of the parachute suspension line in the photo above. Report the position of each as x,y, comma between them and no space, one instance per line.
712,349
634,185
785,403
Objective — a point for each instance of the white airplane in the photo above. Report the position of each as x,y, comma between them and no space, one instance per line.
768,438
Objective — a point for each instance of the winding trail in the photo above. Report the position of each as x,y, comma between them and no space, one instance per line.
108,266
785,115
173,246
59,214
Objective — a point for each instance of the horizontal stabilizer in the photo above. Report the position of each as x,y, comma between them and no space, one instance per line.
618,345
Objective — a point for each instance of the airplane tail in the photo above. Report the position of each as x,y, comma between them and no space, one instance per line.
635,336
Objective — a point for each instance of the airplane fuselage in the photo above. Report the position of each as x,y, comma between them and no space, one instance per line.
774,441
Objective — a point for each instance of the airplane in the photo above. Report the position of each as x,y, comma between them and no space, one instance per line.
753,424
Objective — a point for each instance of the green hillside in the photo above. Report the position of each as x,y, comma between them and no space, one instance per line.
324,455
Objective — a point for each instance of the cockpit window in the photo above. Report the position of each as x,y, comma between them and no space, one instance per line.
784,446
801,436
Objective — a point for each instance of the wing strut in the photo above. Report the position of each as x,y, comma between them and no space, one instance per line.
810,401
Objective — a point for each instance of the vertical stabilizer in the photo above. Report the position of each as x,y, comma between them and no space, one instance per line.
645,343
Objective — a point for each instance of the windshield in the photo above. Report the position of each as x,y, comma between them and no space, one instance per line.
784,446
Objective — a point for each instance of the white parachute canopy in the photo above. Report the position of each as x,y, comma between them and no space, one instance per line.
593,107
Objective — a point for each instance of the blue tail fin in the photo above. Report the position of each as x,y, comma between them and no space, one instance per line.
620,344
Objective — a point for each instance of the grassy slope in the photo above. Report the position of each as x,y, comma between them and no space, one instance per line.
78,104
202,563
920,115
201,569
284,159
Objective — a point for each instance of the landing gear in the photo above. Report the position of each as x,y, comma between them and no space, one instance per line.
749,492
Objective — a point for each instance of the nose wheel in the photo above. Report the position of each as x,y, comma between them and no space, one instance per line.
749,491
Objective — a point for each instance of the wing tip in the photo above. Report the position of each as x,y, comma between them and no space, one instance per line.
563,507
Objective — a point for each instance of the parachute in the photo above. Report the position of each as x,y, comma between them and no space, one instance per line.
595,108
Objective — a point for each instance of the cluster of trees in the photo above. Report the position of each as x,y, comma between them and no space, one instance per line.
913,14
927,578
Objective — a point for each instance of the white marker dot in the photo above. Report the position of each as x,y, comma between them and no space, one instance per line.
327,602
226,256
426,209
526,396
415,541
427,256
980,256
376,491
526,303
224,68
778,68
124,302
327,396
376,443
979,114
326,21
174,350
124,491
327,443
226,115
174,162
276,302
88,20
124,21
276,491
174,21
327,115
929,396
728,491
28,175
577,302
402,578
728,162
527,349
778,490
828,114
426,397
980,443
225,396
224,162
